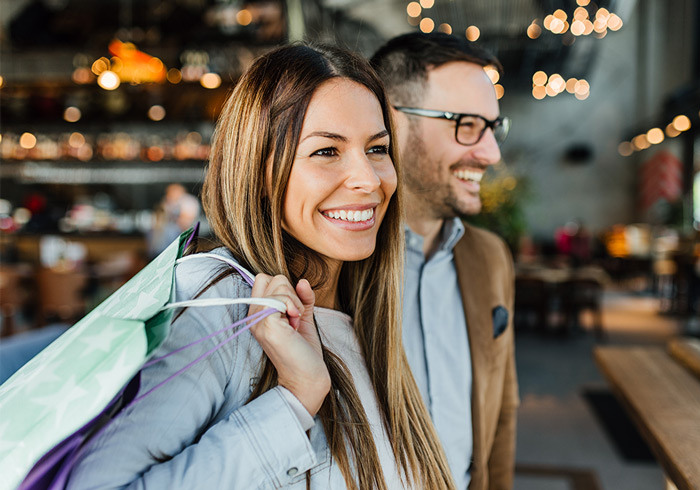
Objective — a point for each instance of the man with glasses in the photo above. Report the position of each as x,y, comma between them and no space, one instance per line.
459,286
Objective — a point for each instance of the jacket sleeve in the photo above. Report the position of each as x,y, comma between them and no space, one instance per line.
501,465
196,431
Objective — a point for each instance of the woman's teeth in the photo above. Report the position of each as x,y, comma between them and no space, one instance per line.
354,216
469,175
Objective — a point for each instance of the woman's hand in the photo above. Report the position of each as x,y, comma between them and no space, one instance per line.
291,342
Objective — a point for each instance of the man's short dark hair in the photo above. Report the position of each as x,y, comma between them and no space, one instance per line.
404,61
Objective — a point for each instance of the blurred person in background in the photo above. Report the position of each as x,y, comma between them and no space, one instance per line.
459,280
177,212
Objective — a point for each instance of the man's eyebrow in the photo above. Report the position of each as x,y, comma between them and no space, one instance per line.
325,134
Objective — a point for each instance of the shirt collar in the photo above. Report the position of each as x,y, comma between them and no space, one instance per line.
451,232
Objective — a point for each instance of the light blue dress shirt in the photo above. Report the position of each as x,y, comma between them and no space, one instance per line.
436,342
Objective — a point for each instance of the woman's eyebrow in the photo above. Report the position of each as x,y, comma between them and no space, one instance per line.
325,134
380,134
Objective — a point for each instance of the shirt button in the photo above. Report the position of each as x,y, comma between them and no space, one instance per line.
292,471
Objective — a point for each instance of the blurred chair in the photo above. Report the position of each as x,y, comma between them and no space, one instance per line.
13,294
578,295
531,303
61,294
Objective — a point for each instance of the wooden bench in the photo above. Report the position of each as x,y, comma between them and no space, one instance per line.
663,399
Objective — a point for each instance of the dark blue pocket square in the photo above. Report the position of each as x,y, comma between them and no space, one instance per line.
500,320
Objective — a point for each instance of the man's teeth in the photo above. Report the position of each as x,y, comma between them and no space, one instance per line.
469,175
355,216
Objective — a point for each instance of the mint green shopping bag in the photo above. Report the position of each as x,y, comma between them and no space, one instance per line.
73,379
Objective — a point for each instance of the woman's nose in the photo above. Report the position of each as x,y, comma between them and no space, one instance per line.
362,175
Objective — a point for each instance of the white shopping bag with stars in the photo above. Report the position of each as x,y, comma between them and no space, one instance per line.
57,400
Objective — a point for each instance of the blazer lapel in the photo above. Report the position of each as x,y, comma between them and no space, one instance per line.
471,265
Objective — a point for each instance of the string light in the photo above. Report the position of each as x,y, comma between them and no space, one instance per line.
581,25
671,132
681,123
446,28
655,136
539,78
492,73
534,31
625,148
413,9
427,25
555,84
500,91
473,33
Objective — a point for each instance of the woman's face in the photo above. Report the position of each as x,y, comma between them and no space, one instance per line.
342,177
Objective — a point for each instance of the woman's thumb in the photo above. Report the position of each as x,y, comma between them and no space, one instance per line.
306,294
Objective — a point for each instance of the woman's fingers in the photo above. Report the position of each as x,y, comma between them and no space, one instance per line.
278,288
297,353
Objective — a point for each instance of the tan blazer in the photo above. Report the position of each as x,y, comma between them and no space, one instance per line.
486,279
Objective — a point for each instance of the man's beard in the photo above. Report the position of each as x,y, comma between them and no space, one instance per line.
439,196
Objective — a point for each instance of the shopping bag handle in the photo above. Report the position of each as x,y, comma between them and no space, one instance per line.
247,322
247,276
270,303
273,306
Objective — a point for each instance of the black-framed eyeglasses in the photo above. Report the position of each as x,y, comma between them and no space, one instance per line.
469,128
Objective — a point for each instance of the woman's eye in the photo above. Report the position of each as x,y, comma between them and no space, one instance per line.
380,149
325,152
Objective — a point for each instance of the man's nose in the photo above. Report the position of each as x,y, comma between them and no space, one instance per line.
487,151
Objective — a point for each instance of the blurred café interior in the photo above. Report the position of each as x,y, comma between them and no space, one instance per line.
107,109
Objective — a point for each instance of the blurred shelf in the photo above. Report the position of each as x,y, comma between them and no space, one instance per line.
33,172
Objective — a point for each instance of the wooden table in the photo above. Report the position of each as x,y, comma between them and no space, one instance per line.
663,400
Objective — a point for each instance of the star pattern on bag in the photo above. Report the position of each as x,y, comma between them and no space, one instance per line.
73,379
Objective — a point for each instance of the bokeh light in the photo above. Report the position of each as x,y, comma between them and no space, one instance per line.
655,136
539,92
539,78
108,80
27,141
174,75
427,25
210,80
244,17
156,112
446,28
473,33
492,73
76,140
500,91
534,31
681,122
625,148
671,132
413,9
72,114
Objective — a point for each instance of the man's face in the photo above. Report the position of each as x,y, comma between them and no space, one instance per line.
443,174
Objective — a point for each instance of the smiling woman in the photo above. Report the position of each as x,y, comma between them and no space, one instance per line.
302,191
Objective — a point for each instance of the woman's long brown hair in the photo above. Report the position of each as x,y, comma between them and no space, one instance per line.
260,125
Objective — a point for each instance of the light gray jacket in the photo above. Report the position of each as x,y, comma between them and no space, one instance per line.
196,431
